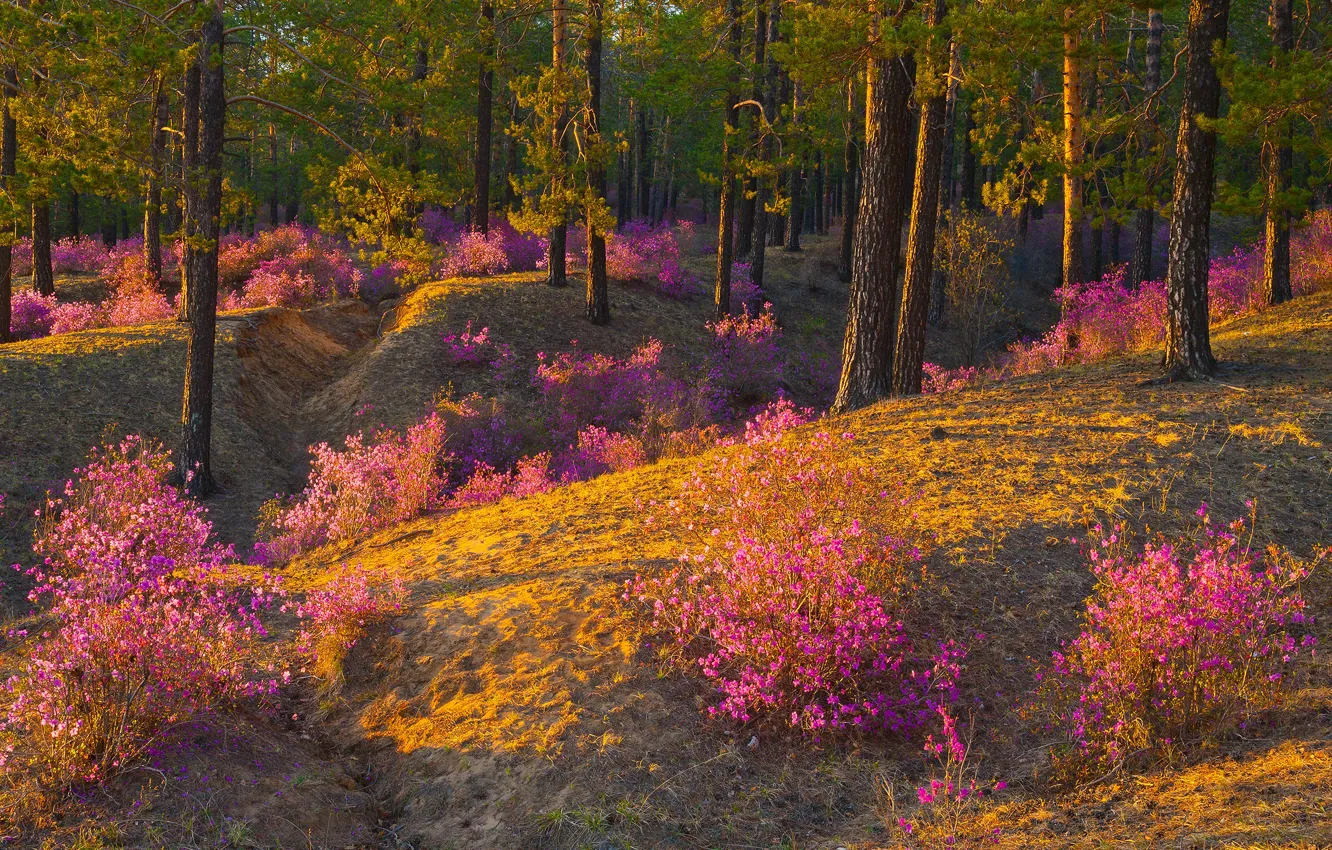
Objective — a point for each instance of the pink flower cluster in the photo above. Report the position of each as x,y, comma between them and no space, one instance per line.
641,253
336,615
744,366
84,255
581,389
152,623
502,249
530,475
1184,639
794,605
476,349
371,484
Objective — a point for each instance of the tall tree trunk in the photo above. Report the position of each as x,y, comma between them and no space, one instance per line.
967,191
8,170
598,295
75,219
910,355
197,411
485,105
820,226
795,221
1277,163
766,86
850,196
644,165
754,128
43,279
1144,220
948,198
556,267
152,208
1188,345
721,297
1074,145
274,216
867,349
189,182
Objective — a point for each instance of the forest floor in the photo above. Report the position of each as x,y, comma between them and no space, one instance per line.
508,708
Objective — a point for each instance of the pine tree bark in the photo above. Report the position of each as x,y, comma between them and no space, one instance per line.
598,294
850,197
749,203
1074,151
1277,163
556,267
1188,347
1144,219
644,165
925,207
948,198
197,410
867,348
152,208
75,219
485,106
967,191
43,279
766,86
721,296
189,184
795,221
8,171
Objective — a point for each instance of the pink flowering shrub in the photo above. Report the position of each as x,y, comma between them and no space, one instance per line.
531,475
21,257
475,255
582,389
944,814
30,314
746,297
78,256
371,484
438,227
76,316
793,604
743,366
937,379
1185,639
477,433
142,642
335,616
599,451
476,349
774,419
287,266
641,253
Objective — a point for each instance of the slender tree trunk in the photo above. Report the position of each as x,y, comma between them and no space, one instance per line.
274,216
948,198
721,301
152,208
1188,346
967,191
796,220
850,197
910,355
766,87
1277,164
556,268
43,279
867,349
749,203
1144,219
598,295
189,182
1074,145
8,170
75,220
820,227
197,411
644,165
485,104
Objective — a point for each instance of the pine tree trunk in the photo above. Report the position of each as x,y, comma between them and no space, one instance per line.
556,264
189,183
197,411
910,354
721,297
1277,163
1073,154
1188,347
152,208
274,216
8,170
43,279
75,219
598,294
1144,220
485,106
796,219
767,87
948,199
850,196
867,349
644,165
967,191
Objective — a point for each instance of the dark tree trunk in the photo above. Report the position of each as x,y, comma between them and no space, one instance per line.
948,199
485,104
152,207
1074,152
556,265
1144,220
910,355
721,297
598,294
820,227
274,218
644,166
967,191
850,196
75,220
43,279
8,170
749,203
189,183
867,349
1277,163
796,219
197,412
767,87
1188,347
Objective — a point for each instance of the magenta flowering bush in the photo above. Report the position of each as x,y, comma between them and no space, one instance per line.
530,475
475,255
743,365
599,451
152,624
937,379
477,433
21,257
335,616
476,349
78,255
773,420
581,388
31,314
640,253
794,602
373,483
1184,639
438,227
746,297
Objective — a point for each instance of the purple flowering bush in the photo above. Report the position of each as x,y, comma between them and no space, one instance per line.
794,602
31,314
335,616
152,624
530,475
743,365
370,484
1185,639
582,388
640,253
476,349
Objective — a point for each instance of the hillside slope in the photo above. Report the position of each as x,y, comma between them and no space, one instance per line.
507,708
